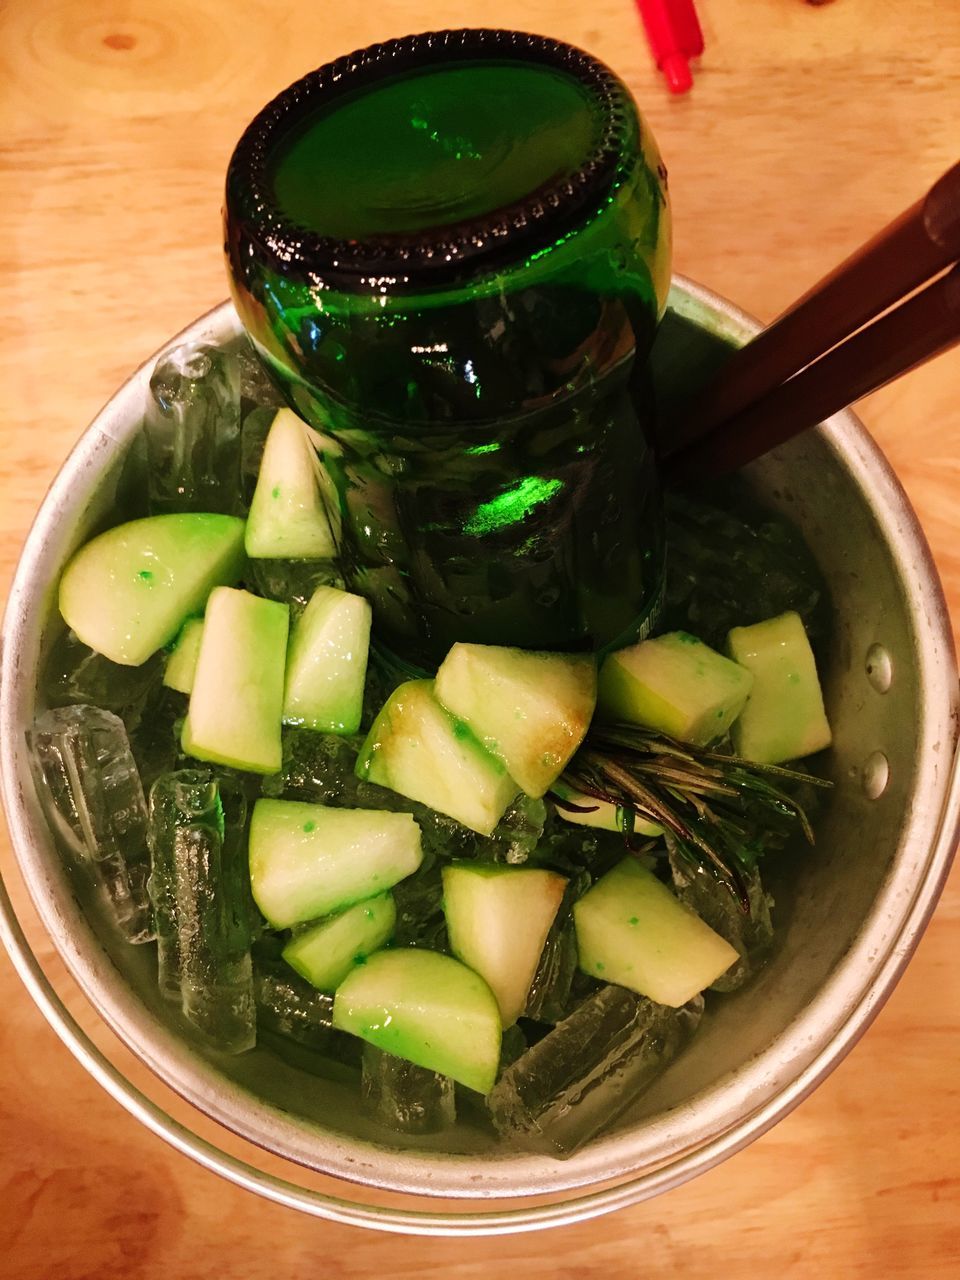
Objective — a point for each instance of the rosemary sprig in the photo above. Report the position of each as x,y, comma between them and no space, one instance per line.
717,805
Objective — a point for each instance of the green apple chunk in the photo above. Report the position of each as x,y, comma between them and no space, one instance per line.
182,664
236,701
327,663
427,1008
308,861
676,685
600,814
128,592
498,919
288,517
417,748
529,709
631,930
784,718
325,953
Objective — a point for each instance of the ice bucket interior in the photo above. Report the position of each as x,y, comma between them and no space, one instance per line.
836,904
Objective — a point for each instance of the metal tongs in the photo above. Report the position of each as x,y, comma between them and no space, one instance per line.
822,354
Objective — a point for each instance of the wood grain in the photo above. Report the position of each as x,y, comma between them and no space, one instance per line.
808,128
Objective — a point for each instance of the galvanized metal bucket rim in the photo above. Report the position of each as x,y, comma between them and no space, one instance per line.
856,999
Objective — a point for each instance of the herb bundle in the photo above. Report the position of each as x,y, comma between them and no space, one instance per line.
717,807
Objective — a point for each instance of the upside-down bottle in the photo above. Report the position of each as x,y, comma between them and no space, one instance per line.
452,252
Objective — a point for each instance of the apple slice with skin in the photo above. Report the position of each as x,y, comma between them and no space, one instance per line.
182,664
427,1008
327,662
128,592
289,518
529,709
308,860
325,953
237,692
418,749
498,918
631,930
674,684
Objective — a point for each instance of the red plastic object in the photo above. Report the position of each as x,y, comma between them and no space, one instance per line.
673,30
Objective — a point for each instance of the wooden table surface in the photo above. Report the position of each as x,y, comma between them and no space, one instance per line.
807,129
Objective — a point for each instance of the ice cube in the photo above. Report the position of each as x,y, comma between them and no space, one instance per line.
725,568
74,674
419,902
513,1045
287,1005
253,437
90,790
200,890
549,998
751,933
192,430
512,840
316,768
404,1097
255,382
292,582
592,1065
382,679
517,833
570,849
155,741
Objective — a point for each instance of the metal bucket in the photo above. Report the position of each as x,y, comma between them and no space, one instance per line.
850,912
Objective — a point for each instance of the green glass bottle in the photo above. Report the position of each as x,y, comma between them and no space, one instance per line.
452,251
